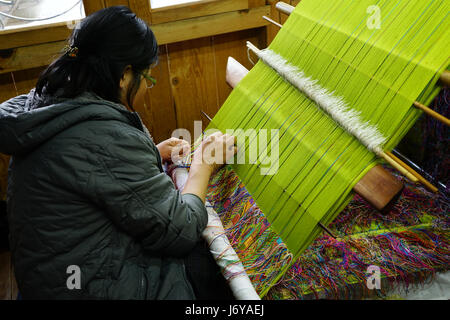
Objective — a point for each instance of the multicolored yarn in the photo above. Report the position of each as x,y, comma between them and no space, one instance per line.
261,250
409,244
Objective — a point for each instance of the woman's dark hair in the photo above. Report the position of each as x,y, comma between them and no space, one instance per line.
108,41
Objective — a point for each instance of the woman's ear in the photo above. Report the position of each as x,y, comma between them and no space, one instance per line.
126,78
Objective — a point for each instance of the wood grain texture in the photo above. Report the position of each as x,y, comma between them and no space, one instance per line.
4,163
161,101
193,79
142,9
91,6
5,276
196,9
233,45
7,87
25,80
200,27
30,56
256,3
110,3
34,35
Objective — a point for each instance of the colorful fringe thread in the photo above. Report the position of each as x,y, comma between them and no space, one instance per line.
409,244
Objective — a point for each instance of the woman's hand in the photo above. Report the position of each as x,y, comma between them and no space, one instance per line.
173,149
212,154
215,151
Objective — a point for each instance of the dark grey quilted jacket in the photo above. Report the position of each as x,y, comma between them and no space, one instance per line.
86,188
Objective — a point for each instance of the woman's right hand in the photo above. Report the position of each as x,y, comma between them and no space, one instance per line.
215,151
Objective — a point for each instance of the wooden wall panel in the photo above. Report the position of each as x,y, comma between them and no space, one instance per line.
30,57
7,87
111,3
142,9
28,36
5,276
91,6
25,80
234,45
8,285
4,163
197,9
277,16
199,27
193,79
161,100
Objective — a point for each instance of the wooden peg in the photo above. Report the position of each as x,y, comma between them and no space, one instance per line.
432,113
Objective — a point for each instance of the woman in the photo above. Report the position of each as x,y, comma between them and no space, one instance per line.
92,215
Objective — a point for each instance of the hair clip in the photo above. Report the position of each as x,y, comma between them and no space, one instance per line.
71,51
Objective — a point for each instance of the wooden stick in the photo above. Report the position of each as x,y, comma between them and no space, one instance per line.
421,179
432,113
398,166
326,230
272,21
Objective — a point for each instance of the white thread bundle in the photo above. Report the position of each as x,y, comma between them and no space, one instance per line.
220,247
227,259
334,106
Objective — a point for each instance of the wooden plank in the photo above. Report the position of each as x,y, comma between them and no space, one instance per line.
25,80
176,31
179,5
7,87
30,57
165,32
5,275
111,3
234,45
193,80
145,113
272,30
34,35
161,101
4,163
196,9
256,3
91,6
142,9
13,284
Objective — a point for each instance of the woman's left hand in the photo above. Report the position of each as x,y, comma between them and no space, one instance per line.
173,149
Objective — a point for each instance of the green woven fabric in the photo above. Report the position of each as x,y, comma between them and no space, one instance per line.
378,71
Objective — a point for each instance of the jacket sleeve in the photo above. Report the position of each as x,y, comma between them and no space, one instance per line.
142,200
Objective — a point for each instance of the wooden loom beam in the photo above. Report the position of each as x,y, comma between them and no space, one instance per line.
378,187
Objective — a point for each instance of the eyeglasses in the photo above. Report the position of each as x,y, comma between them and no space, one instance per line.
149,78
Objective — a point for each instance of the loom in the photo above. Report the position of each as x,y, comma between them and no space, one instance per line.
386,75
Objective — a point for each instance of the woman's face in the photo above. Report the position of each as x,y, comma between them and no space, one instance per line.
138,100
